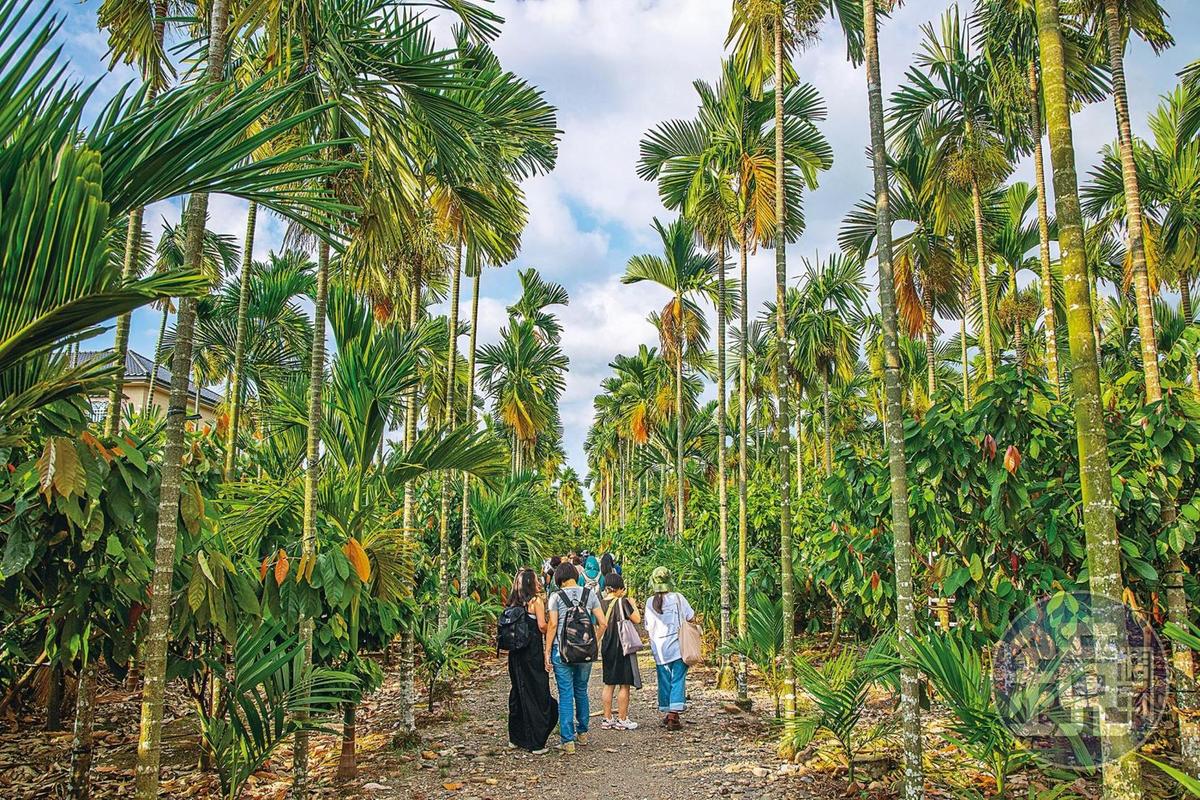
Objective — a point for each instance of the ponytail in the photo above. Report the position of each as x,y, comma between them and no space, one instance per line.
658,602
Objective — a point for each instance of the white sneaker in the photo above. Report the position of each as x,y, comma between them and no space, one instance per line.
625,725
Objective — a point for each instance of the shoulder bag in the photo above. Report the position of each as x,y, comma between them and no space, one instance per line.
631,640
691,647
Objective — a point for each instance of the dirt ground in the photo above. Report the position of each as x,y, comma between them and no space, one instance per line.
722,752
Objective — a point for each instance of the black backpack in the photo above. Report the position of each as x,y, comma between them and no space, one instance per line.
577,636
512,634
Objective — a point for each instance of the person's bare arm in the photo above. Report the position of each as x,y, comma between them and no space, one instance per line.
539,611
551,625
601,621
691,612
634,616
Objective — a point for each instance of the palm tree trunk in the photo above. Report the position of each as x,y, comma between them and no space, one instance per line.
1050,318
79,784
1122,776
913,782
743,696
602,496
158,632
962,337
679,523
608,494
444,511
81,748
158,355
622,468
985,310
348,760
236,389
783,429
827,444
1185,305
606,501
1184,673
930,344
129,271
799,443
1133,202
1177,607
662,496
1018,345
724,678
464,547
312,478
408,723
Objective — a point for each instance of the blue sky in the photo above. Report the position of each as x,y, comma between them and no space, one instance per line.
615,68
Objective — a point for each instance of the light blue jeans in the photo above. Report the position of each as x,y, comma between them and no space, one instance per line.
573,709
672,693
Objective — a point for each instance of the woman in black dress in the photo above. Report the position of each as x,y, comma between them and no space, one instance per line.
532,712
620,670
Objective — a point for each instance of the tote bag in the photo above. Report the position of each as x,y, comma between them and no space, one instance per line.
691,649
631,640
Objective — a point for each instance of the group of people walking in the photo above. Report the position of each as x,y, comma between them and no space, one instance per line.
560,622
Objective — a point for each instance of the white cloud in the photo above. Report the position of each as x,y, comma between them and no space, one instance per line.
614,69
553,241
605,318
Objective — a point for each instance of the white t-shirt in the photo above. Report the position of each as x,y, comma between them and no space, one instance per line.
663,629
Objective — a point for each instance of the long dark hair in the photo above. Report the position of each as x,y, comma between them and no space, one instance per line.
658,601
524,588
607,564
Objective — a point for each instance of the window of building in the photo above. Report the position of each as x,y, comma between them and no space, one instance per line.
99,409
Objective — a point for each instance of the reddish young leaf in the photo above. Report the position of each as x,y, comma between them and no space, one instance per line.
281,568
1012,459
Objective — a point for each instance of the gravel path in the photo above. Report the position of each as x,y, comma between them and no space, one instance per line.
720,753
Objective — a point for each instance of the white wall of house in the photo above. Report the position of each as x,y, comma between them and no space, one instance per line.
134,393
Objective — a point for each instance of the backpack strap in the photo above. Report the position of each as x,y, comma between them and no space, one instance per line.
561,594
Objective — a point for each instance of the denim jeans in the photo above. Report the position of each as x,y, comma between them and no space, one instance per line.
572,680
672,694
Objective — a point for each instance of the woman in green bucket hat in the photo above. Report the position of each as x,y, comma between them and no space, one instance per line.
666,613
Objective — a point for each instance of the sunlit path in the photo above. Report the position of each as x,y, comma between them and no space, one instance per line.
843,352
